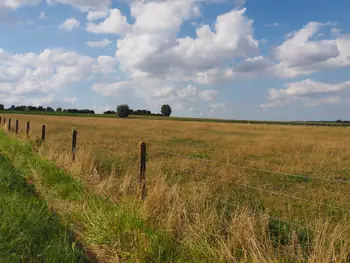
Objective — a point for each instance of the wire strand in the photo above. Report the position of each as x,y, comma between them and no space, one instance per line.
273,217
290,196
258,169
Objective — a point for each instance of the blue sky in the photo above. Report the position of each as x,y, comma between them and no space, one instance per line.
236,59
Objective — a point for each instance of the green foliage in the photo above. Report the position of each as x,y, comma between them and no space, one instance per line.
2,107
29,231
123,111
166,110
59,110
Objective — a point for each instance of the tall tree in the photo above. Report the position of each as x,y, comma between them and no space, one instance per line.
166,110
123,111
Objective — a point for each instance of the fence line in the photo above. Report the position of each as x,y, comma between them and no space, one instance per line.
258,169
316,204
143,169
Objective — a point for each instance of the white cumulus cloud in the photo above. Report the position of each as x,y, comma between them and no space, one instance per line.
70,24
115,23
97,14
309,92
301,55
42,75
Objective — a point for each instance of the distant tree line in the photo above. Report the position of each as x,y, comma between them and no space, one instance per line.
123,111
44,109
340,121
136,112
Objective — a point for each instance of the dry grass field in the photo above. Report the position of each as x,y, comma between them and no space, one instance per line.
202,191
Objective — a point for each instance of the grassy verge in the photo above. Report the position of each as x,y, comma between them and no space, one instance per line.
112,232
29,232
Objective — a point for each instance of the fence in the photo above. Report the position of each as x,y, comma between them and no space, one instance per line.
142,173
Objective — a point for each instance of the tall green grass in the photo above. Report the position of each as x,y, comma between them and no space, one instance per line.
29,232
114,231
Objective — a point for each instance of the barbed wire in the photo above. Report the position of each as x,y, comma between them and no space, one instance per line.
258,169
316,204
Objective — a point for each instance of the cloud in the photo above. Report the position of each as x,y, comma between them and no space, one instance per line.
115,23
300,55
42,16
81,5
14,4
151,47
190,93
155,92
248,68
95,15
298,50
309,92
71,100
40,75
70,24
275,24
160,65
336,32
218,107
84,5
102,43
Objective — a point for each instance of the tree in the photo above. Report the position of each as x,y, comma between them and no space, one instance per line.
49,109
2,107
123,111
109,112
166,110
59,110
31,108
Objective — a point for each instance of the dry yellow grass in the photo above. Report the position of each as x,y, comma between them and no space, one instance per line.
206,206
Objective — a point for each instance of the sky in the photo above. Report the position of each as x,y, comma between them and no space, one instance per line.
229,59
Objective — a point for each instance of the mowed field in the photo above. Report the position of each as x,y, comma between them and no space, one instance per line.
216,192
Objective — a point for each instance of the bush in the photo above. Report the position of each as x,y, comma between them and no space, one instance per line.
123,111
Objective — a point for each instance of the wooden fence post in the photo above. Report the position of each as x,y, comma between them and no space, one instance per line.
4,121
9,125
43,133
0,120
28,128
74,144
142,178
17,127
